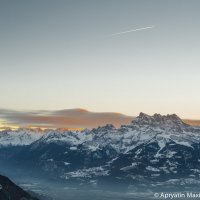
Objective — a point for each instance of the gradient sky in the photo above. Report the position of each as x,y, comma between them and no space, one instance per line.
61,55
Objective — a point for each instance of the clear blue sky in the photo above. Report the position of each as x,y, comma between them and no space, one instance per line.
59,55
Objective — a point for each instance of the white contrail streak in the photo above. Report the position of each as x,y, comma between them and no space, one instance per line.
129,31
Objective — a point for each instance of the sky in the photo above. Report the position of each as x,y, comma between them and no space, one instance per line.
57,55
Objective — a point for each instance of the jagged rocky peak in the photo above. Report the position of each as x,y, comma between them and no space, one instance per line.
103,129
106,127
158,119
172,117
109,126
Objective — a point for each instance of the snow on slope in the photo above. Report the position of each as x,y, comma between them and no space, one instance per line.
164,142
19,137
141,130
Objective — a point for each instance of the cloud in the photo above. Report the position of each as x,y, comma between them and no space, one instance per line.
192,122
69,118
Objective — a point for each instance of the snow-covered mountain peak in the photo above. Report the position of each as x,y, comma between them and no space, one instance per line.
142,119
108,128
157,120
64,137
19,137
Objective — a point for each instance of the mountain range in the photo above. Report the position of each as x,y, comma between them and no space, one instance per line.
152,151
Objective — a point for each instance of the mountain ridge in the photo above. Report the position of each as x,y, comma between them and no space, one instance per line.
151,149
10,191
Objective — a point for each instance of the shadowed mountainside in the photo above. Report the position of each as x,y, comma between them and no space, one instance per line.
10,191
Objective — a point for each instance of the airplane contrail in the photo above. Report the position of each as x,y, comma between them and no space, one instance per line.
129,31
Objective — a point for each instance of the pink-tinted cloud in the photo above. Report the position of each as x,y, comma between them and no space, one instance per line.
69,118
